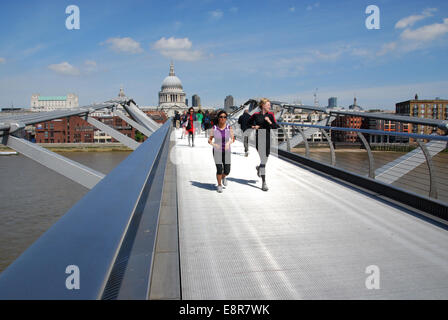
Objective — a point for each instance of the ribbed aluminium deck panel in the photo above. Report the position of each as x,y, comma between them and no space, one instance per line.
308,237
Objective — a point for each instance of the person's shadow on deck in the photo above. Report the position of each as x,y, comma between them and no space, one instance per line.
206,186
212,186
244,181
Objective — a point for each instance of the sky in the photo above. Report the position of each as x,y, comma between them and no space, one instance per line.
284,50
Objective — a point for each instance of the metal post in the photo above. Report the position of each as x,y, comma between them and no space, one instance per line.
432,172
288,145
307,146
333,154
328,120
369,153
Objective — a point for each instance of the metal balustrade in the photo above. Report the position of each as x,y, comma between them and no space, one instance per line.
109,235
423,170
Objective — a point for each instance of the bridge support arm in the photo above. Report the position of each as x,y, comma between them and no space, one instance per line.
139,116
128,142
73,170
134,124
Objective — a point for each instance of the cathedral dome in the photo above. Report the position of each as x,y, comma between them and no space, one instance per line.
172,81
172,96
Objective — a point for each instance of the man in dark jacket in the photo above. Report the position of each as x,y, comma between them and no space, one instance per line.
207,122
243,121
176,119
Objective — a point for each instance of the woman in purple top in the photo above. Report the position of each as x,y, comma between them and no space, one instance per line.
223,135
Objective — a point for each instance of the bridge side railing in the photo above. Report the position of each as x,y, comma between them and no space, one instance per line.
103,247
413,162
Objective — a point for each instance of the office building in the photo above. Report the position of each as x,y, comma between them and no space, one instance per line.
196,101
430,109
228,103
332,102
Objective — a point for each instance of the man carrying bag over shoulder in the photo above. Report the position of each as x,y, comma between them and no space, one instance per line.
243,122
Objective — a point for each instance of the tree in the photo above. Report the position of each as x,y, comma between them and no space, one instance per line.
139,137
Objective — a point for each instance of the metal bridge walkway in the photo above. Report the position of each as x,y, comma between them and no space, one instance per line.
308,237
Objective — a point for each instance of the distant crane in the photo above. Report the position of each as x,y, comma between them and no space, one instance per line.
316,100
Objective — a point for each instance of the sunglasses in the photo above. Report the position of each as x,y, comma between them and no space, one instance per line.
222,117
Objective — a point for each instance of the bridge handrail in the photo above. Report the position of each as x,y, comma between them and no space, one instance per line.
387,173
442,124
92,234
369,131
38,117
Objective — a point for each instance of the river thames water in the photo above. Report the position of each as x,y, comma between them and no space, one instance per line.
33,197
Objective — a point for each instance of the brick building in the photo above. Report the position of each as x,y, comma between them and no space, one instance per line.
430,109
346,121
386,125
76,130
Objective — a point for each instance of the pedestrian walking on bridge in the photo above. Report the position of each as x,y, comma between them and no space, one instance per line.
221,137
263,122
191,118
243,120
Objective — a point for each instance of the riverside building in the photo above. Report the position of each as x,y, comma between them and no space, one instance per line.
51,103
430,109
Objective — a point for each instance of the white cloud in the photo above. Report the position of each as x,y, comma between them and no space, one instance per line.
178,49
64,68
177,25
172,44
328,56
368,97
411,20
33,50
299,65
2,60
415,39
360,52
386,48
184,55
312,6
292,9
426,33
216,14
308,57
90,66
124,45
